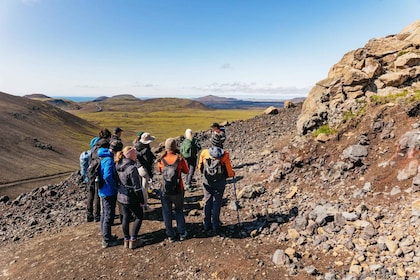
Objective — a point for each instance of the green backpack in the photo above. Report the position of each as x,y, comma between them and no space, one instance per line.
187,148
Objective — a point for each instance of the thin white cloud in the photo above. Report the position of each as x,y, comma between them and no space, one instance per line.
226,66
253,88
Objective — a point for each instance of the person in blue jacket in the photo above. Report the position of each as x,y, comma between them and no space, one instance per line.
108,192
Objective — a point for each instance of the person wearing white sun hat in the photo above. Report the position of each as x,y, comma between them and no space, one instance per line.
145,160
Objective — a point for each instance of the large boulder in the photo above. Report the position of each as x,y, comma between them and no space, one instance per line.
382,66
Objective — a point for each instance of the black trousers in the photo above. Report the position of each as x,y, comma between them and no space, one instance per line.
93,203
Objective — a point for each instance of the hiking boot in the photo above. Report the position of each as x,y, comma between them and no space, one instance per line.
183,237
147,208
190,188
171,239
110,243
89,218
126,243
133,244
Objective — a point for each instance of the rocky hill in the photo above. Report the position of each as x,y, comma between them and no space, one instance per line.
337,203
39,139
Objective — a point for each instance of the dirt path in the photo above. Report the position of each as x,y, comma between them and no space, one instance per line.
76,253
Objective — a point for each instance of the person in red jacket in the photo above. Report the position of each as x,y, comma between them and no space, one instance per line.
170,156
214,189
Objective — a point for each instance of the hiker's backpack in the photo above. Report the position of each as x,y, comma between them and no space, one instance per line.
187,148
94,174
84,164
213,170
170,177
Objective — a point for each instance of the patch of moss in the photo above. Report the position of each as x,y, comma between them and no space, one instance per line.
325,129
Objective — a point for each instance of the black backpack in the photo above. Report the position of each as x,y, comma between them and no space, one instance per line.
94,170
170,177
213,170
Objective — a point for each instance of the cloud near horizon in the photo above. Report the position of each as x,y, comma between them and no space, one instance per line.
253,88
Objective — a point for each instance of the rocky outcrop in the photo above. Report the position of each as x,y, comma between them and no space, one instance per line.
383,66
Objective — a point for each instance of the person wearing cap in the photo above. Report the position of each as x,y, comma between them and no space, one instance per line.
93,206
219,133
190,147
213,191
171,154
117,134
138,137
125,163
108,192
145,160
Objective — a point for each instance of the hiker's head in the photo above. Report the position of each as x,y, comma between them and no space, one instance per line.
104,134
130,152
118,131
215,140
146,138
188,134
216,152
215,126
115,146
170,145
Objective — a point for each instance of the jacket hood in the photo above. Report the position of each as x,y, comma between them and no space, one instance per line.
104,152
124,164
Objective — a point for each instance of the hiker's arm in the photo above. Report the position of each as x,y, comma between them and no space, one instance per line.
228,165
135,178
184,166
200,161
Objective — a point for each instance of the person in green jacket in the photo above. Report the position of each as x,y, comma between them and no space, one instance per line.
189,150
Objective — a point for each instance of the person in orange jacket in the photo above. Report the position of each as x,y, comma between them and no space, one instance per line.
214,188
170,156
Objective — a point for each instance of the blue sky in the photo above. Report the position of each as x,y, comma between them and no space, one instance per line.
234,48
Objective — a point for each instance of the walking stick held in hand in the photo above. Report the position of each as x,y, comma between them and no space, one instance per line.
236,200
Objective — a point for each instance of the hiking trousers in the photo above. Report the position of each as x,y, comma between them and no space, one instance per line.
137,210
107,217
213,196
192,165
93,206
178,201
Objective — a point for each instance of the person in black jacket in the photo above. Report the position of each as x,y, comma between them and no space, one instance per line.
130,195
145,160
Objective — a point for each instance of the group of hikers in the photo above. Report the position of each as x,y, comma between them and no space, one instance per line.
122,175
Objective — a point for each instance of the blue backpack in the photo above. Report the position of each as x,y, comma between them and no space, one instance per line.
84,164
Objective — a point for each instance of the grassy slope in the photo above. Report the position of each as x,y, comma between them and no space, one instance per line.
164,124
163,118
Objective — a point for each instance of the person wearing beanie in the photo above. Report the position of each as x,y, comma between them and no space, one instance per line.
190,147
171,156
130,195
145,161
213,189
218,134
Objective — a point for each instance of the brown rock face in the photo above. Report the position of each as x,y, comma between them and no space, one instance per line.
383,66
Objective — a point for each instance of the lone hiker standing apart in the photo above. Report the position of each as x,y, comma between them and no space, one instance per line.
189,150
108,192
214,184
171,158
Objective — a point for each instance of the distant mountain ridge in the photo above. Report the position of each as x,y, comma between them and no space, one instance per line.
210,101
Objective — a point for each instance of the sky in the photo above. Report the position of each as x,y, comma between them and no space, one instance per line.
245,49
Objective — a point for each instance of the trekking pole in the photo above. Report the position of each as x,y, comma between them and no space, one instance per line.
236,200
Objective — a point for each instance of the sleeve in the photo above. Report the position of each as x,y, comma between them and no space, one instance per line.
183,166
108,172
135,178
200,161
228,165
